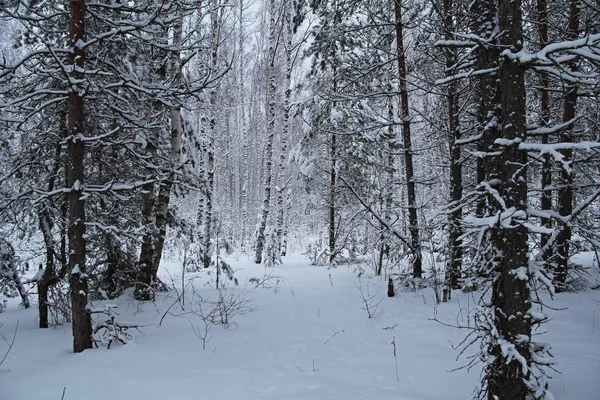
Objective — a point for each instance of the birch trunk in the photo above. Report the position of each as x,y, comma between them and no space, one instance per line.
284,132
210,153
268,173
164,193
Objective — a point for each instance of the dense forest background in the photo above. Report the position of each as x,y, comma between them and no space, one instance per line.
444,143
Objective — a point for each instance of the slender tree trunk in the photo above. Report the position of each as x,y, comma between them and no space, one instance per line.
212,126
454,262
164,193
244,173
143,287
82,326
413,223
285,131
507,377
565,194
49,277
202,183
264,215
546,198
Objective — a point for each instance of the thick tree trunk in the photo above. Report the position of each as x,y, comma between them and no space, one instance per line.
413,222
507,375
486,85
82,327
268,177
565,194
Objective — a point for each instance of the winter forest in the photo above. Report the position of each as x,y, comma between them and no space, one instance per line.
291,199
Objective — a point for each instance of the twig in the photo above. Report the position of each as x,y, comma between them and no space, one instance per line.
10,345
63,394
389,328
334,335
395,358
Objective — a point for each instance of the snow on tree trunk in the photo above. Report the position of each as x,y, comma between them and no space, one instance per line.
284,131
268,172
164,193
486,85
454,260
565,194
546,178
508,370
210,147
9,272
49,277
82,327
413,223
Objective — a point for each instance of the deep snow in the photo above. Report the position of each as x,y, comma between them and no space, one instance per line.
307,338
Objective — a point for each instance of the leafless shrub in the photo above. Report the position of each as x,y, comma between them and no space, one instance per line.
59,304
371,304
110,330
10,344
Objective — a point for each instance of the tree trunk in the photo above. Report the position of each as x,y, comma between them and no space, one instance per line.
49,277
82,327
507,377
210,153
565,194
264,215
143,287
546,198
332,184
413,223
164,193
454,262
284,132
487,94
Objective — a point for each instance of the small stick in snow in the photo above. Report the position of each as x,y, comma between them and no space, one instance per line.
395,358
63,394
334,335
389,328
10,345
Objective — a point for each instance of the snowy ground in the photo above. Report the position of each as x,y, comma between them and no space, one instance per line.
307,338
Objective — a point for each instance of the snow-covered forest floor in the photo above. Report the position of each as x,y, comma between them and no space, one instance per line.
307,336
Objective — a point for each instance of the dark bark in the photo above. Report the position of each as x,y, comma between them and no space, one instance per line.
546,198
413,223
484,24
565,194
454,262
49,277
332,184
82,327
506,376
